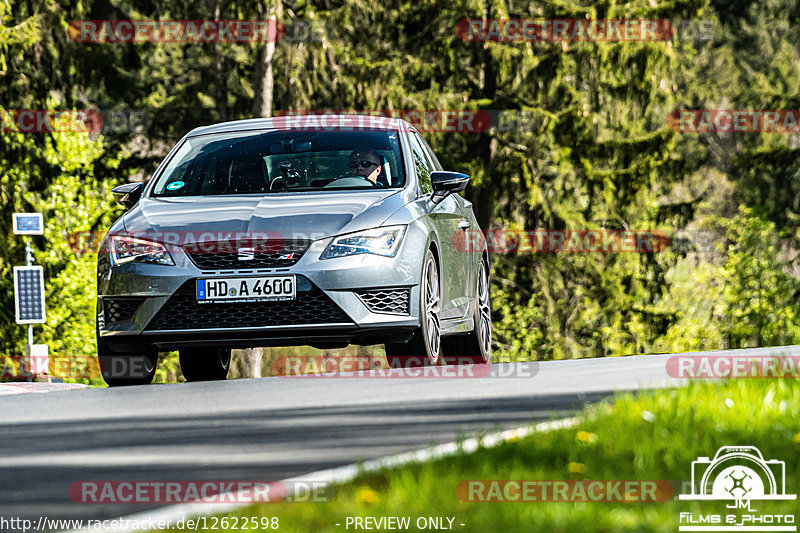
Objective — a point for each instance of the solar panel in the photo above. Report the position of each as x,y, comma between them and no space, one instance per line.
29,294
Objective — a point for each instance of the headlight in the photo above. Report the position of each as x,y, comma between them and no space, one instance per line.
127,249
378,241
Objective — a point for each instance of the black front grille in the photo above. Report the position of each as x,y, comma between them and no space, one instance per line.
120,310
183,312
391,301
226,255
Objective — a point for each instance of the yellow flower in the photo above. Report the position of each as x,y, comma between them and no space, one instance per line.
514,437
367,496
585,436
576,468
797,438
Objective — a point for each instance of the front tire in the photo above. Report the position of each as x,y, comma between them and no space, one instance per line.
205,364
423,348
474,347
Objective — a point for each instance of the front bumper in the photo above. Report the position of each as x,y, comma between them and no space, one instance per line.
146,306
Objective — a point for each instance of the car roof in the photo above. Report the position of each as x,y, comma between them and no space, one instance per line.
306,122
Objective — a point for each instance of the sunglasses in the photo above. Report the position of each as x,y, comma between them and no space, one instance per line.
364,164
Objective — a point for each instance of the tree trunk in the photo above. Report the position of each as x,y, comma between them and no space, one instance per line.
263,105
220,81
486,146
264,82
254,358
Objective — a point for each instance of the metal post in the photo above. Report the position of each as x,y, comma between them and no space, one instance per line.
28,251
28,261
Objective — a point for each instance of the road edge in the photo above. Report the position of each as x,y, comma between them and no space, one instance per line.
295,486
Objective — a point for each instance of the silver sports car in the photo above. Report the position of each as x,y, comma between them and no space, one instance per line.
274,232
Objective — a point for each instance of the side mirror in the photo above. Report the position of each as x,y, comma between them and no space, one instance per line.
128,195
446,183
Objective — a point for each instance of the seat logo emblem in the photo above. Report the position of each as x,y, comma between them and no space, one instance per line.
246,254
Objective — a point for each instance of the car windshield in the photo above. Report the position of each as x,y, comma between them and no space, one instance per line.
280,162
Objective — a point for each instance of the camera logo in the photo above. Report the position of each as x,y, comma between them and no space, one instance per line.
738,473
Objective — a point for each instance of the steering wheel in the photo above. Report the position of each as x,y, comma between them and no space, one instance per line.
350,181
278,184
377,184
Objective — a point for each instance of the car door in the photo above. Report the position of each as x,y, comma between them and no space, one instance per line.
469,255
447,216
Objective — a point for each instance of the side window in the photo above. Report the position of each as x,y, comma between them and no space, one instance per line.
421,164
431,156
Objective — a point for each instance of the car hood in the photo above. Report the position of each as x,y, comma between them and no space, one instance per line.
311,215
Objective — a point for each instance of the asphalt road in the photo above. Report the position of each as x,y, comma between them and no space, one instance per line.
272,428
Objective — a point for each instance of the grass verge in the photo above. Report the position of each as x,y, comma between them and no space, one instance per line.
650,436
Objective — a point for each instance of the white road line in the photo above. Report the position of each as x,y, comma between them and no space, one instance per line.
23,387
296,486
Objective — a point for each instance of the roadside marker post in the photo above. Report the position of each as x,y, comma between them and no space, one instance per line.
29,306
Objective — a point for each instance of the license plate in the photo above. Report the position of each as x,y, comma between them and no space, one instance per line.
268,288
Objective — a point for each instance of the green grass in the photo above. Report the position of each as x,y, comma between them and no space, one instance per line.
651,436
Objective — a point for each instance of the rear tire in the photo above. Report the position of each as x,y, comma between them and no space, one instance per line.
121,370
423,348
205,364
475,347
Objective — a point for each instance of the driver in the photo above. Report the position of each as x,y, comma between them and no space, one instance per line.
367,164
